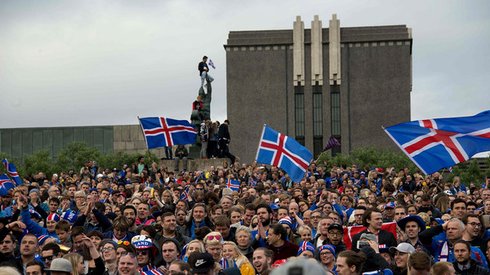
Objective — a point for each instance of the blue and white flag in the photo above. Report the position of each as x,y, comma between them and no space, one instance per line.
433,144
12,171
5,184
210,63
234,185
184,195
161,132
280,150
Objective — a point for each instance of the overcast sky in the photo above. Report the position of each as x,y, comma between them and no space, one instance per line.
75,63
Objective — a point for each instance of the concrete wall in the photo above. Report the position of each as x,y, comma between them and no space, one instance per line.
256,94
20,142
375,87
130,139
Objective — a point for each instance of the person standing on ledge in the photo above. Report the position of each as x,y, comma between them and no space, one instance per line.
223,141
204,71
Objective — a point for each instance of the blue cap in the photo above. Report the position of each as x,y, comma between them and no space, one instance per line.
306,246
70,216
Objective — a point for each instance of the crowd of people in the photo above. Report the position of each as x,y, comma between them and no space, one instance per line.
146,219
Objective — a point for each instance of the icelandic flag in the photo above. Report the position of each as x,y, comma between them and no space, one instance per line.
5,184
184,196
234,185
433,144
161,132
12,171
280,150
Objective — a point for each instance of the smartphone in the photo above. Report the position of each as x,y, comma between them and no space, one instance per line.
361,244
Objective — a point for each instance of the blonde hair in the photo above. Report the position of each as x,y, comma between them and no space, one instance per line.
214,241
306,227
201,247
74,259
239,257
80,193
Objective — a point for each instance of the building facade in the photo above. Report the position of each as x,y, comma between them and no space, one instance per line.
21,142
315,83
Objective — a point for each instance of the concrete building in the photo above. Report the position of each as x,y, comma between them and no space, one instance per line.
21,142
315,83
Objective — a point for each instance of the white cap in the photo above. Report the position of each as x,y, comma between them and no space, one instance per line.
403,247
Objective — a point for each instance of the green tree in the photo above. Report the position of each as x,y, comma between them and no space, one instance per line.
40,161
367,158
75,155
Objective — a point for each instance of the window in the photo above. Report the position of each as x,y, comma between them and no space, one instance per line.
335,100
299,114
335,119
317,120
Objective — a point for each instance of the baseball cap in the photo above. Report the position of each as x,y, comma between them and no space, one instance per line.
201,262
337,226
403,247
61,265
390,205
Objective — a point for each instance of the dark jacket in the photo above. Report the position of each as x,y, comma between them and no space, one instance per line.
10,260
385,239
374,260
103,225
398,271
223,132
202,67
475,269
99,267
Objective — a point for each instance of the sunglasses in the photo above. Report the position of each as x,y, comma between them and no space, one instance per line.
49,258
142,252
217,237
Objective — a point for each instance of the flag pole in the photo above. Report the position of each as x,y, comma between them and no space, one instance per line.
143,132
258,147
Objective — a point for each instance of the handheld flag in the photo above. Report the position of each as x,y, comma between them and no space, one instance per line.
234,185
433,144
12,171
184,195
5,184
161,132
285,152
210,63
332,142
